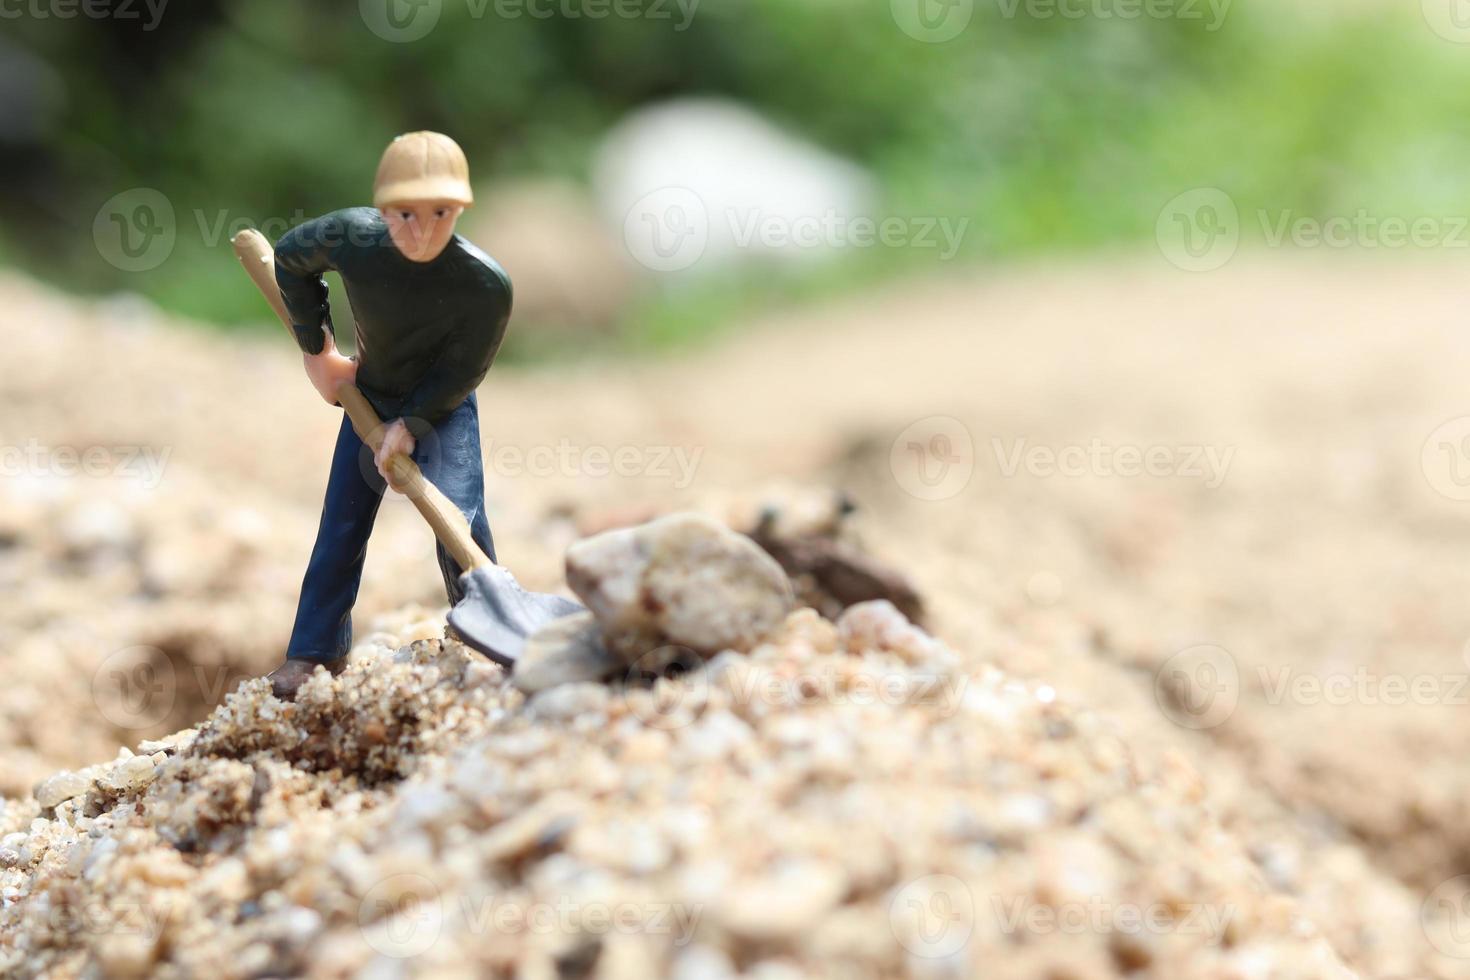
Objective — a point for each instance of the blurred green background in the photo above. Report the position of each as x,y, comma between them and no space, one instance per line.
1048,133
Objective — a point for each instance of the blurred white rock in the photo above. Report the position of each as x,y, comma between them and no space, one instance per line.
699,186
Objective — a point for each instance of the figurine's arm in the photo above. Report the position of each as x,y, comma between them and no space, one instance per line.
302,255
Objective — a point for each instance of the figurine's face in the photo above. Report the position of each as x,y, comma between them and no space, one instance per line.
421,229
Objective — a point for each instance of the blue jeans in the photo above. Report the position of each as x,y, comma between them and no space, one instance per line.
449,456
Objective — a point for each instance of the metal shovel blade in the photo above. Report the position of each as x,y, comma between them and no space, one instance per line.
497,616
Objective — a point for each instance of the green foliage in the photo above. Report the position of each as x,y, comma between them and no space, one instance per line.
1045,133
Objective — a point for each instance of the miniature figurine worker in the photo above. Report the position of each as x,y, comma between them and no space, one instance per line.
431,310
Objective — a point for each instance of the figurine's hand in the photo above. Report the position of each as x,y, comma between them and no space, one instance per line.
396,439
329,370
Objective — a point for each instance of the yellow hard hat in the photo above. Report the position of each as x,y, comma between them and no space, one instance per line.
422,166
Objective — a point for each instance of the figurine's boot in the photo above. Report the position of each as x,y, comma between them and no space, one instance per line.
287,679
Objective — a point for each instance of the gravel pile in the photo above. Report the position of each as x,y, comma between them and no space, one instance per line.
688,826
847,799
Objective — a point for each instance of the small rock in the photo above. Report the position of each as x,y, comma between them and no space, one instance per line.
570,701
635,849
130,775
169,743
785,903
564,651
703,963
543,823
61,787
809,535
684,580
715,736
126,956
878,625
97,525
427,806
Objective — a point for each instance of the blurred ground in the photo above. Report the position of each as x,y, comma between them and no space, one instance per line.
1296,567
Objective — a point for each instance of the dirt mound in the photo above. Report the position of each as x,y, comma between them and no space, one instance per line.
1300,542
846,799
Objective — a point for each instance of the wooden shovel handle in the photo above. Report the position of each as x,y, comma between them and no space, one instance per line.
449,525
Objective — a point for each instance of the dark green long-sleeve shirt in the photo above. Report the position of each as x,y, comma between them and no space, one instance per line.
427,332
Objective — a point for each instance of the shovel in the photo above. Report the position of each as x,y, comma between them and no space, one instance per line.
496,615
